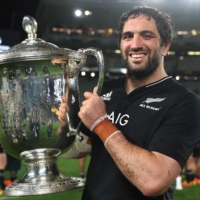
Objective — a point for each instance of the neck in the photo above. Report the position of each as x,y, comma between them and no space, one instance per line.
132,84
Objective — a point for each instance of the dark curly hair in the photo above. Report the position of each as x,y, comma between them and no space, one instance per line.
163,21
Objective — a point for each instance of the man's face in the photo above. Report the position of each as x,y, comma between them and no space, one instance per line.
140,47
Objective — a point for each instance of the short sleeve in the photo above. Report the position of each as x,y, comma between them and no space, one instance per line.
179,131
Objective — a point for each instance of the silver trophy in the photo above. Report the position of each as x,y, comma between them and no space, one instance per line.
34,75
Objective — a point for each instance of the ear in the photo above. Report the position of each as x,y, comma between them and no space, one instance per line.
165,49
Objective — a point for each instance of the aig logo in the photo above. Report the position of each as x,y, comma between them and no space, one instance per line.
121,119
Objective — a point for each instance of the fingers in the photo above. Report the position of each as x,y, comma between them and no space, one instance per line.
63,121
62,130
64,100
62,113
64,106
88,95
92,108
59,131
95,90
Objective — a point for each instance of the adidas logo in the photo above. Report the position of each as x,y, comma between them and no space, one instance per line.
107,97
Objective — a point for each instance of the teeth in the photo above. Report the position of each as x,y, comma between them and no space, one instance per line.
137,56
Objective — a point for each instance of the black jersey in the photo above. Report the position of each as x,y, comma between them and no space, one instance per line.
163,117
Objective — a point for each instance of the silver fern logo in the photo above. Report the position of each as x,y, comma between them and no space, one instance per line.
152,100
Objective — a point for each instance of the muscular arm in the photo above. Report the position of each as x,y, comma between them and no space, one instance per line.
151,172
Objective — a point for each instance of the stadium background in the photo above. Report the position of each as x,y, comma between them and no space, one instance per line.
58,24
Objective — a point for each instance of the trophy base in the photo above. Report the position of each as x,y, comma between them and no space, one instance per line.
30,189
42,176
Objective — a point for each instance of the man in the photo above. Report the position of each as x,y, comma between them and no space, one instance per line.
145,126
192,168
49,129
3,163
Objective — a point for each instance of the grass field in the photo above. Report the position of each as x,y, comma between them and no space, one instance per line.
70,167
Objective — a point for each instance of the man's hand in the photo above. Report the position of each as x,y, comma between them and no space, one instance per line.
62,114
92,108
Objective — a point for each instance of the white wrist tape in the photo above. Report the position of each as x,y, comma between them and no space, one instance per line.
98,121
111,136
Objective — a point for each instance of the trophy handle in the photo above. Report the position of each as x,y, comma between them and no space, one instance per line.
100,60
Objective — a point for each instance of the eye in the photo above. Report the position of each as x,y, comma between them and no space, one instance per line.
127,36
147,36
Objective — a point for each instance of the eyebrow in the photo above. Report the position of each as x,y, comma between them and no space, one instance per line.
141,32
127,32
148,31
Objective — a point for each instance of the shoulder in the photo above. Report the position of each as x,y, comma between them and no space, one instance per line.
186,100
179,92
186,95
183,106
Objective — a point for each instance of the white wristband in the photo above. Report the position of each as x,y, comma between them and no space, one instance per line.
118,131
98,121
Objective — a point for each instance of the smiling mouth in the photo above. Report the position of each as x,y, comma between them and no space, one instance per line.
137,55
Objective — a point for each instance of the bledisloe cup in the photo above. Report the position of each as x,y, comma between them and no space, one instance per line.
34,75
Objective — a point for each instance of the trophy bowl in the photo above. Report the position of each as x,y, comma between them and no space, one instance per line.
34,75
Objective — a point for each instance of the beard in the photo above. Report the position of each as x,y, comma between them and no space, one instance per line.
143,71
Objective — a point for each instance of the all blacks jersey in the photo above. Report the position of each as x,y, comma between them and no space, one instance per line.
163,116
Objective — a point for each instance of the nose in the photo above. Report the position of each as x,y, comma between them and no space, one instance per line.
136,42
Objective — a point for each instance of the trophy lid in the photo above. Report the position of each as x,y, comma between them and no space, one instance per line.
34,48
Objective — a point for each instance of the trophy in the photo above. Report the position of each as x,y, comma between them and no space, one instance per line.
34,75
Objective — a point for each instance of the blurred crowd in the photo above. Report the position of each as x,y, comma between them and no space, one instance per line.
190,175
10,164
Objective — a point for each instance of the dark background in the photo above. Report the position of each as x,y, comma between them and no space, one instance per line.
105,14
